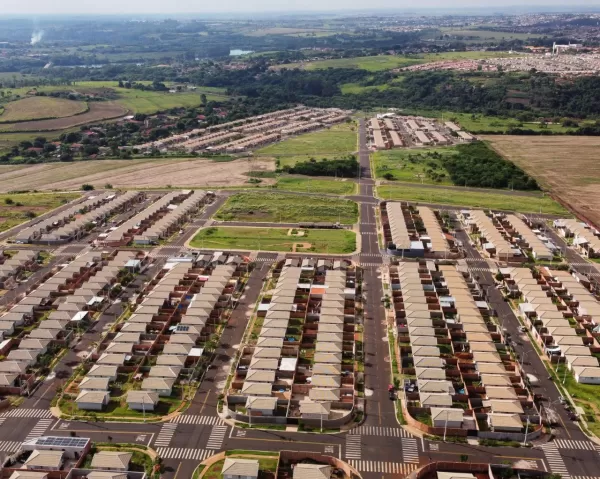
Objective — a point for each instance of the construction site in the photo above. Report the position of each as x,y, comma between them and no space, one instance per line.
390,131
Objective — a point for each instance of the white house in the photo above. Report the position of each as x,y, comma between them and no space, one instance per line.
240,469
587,375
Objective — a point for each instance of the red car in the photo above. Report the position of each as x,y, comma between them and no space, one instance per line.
391,388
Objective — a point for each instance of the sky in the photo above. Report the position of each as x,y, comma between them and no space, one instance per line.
33,7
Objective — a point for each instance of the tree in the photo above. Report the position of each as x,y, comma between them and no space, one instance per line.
203,99
108,186
8,201
87,187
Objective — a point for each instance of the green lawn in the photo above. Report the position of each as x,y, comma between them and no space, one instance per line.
272,207
355,88
387,62
419,166
284,161
18,208
338,140
483,199
308,185
275,239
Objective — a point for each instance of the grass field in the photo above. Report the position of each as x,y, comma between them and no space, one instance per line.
412,165
308,185
472,199
276,239
338,140
41,107
272,207
157,173
387,62
290,31
98,111
355,88
566,165
18,208
483,35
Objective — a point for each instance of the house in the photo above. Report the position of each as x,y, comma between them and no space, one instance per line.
164,372
261,406
44,460
161,386
315,410
446,417
111,460
106,475
94,384
587,375
23,474
240,469
311,471
92,400
100,371
142,400
505,422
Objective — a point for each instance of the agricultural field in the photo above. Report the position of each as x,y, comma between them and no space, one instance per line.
421,165
309,185
261,207
486,35
276,239
145,173
338,140
565,165
471,198
40,107
388,62
295,32
98,111
19,208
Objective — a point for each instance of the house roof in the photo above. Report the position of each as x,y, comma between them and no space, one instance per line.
94,383
24,474
240,467
505,420
145,397
311,471
264,403
446,414
106,475
154,384
93,397
43,458
111,460
311,407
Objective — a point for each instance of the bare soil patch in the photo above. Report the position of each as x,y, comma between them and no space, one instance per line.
176,172
568,166
38,107
98,111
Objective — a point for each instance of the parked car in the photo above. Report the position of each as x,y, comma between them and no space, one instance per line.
392,395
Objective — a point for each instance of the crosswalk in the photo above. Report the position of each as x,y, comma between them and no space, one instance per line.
371,255
24,412
569,444
383,467
555,461
370,264
195,419
480,270
410,449
585,477
183,453
166,433
380,431
353,446
39,429
2,419
10,446
215,441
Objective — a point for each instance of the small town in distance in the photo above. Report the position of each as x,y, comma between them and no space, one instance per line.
360,242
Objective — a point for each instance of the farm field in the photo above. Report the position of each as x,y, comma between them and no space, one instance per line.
387,62
309,185
417,165
471,199
337,140
145,173
482,35
287,208
276,239
39,107
567,166
98,111
18,208
289,31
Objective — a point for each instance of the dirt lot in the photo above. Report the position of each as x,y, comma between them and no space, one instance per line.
98,111
38,107
566,165
177,172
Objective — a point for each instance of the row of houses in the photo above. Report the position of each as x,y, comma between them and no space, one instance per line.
585,238
301,362
247,142
384,136
73,222
490,238
176,216
137,226
562,315
415,233
465,380
14,264
45,320
161,342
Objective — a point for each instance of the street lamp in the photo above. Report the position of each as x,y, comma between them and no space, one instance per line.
526,431
523,354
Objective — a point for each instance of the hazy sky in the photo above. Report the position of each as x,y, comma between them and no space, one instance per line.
33,7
